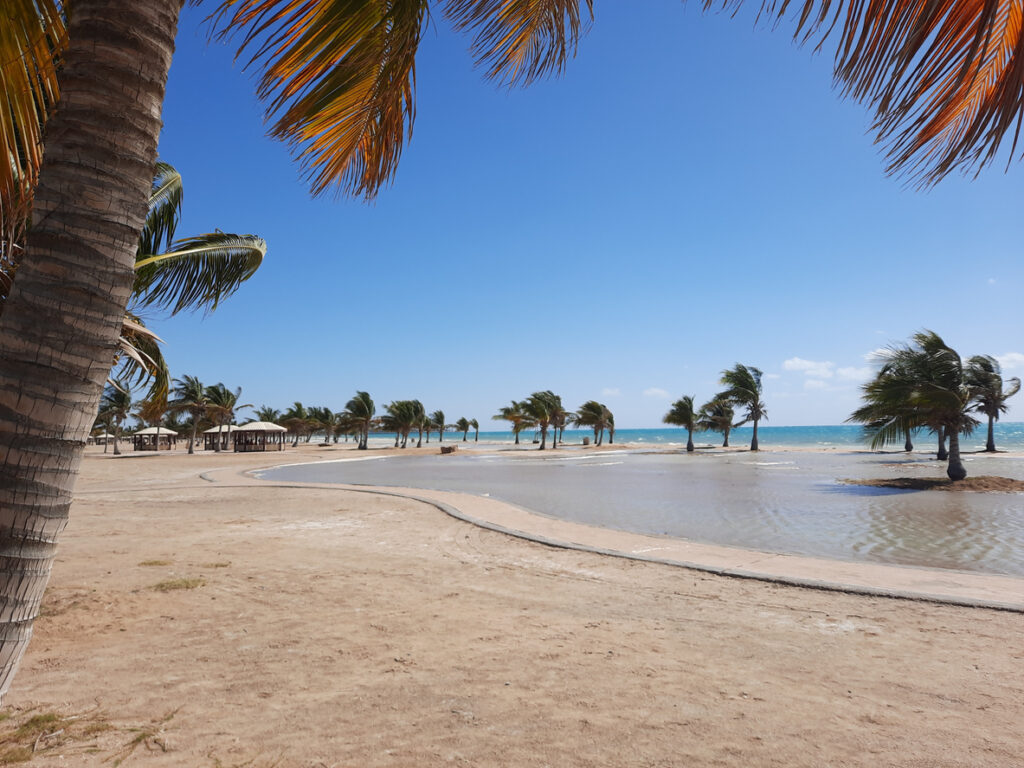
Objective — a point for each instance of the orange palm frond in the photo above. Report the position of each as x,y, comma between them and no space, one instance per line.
32,36
945,77
338,78
520,41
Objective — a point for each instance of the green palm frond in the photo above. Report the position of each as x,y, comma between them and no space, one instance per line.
201,271
140,358
32,37
338,77
517,41
164,211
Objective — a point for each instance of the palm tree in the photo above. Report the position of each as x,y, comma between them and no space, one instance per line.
743,390
325,419
222,404
543,409
268,414
342,89
924,383
115,405
594,415
462,425
151,412
360,410
716,416
191,397
683,414
296,421
516,415
437,419
476,430
402,417
991,391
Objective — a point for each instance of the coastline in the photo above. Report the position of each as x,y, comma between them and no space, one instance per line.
335,627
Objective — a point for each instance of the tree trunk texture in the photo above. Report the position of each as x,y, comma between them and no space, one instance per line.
753,442
990,443
908,446
689,441
942,453
725,443
955,469
60,326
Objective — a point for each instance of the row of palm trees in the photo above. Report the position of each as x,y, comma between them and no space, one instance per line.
743,389
544,411
925,384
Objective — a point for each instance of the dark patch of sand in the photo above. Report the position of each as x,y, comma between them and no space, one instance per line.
989,483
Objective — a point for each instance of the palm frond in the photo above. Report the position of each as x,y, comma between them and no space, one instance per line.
199,273
338,78
164,211
140,358
945,78
32,37
519,41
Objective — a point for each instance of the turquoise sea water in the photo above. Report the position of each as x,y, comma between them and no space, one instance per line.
1009,436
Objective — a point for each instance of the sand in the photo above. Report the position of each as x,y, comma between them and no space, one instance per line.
316,627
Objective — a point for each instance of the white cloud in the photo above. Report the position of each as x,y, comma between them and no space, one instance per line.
874,354
772,376
813,368
657,392
853,374
1011,361
814,384
610,392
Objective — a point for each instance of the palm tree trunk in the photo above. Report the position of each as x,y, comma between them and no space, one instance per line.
517,437
192,437
942,454
955,469
117,431
543,437
689,441
725,443
990,443
61,321
908,446
753,442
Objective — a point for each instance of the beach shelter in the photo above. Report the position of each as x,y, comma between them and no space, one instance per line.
259,436
210,437
154,439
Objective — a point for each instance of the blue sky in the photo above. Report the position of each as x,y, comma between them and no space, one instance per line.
691,194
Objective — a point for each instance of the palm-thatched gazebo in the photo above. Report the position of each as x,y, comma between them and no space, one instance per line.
259,436
210,437
154,439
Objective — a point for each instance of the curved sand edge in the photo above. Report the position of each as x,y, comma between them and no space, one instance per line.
894,581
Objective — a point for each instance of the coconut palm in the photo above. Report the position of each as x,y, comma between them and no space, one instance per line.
683,414
437,420
924,383
516,415
716,416
297,421
360,410
402,417
943,79
222,405
743,390
462,425
476,430
991,390
190,396
268,414
544,409
594,415
115,405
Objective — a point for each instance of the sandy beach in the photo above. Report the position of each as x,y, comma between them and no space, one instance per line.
221,622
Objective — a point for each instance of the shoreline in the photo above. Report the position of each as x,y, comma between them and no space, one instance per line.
333,627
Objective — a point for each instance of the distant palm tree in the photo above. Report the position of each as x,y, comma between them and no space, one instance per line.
716,416
268,414
991,390
476,430
924,383
402,417
437,419
462,425
544,409
296,420
151,412
594,415
682,414
743,390
189,396
516,415
223,403
115,405
360,409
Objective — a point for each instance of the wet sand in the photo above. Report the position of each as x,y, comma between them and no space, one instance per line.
336,628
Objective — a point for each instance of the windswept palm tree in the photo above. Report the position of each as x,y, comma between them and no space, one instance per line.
360,410
476,430
115,405
462,425
268,414
402,417
924,383
296,420
594,415
222,405
991,391
944,81
716,416
515,414
543,409
743,390
683,414
190,396
437,419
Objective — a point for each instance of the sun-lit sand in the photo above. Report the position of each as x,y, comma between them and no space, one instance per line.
219,622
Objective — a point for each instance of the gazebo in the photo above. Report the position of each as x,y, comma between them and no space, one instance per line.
259,436
210,437
101,439
154,439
